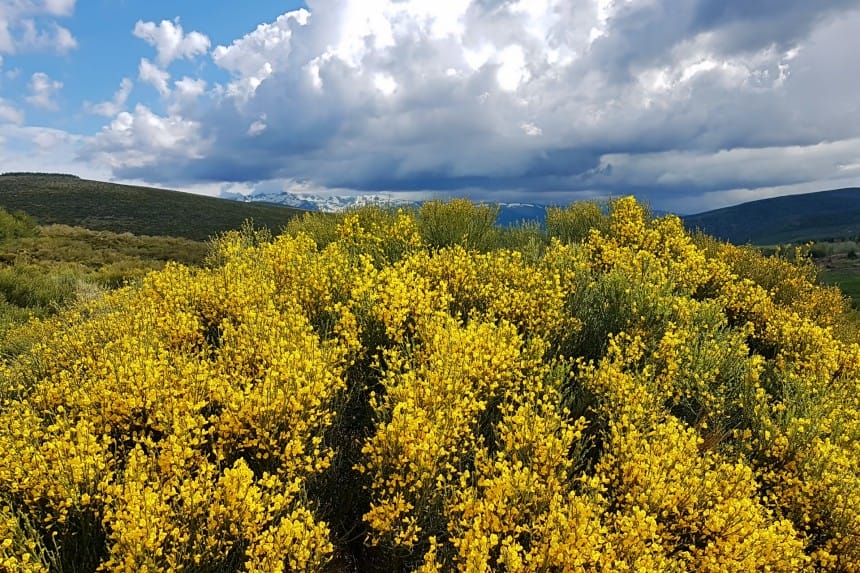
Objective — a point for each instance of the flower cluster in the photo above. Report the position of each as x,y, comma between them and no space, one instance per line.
418,391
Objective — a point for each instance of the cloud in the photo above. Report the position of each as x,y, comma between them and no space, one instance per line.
170,41
28,25
152,74
59,7
547,98
28,148
257,55
115,105
9,113
43,90
55,38
698,174
258,126
142,137
185,95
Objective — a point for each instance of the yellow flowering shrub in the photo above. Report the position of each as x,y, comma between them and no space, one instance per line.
388,390
21,548
439,399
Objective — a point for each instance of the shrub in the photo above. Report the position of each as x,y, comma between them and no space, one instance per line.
30,286
458,222
573,223
16,225
392,399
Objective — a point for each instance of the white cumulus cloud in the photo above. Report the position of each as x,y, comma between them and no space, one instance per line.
115,105
170,40
9,113
185,94
31,25
43,90
29,148
139,137
254,57
153,75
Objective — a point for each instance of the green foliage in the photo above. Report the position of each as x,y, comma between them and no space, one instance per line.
371,391
572,224
527,237
16,225
821,249
27,286
458,222
321,227
247,236
96,249
839,264
607,304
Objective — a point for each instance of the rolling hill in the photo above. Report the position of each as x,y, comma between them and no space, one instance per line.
100,206
787,219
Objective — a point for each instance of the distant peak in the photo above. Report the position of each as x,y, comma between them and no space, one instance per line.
328,204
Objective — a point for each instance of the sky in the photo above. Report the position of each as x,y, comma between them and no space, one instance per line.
687,104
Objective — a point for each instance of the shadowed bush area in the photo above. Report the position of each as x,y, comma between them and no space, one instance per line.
375,391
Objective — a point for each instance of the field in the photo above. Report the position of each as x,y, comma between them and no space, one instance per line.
847,280
840,265
424,391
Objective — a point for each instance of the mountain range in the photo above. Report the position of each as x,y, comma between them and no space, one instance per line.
509,213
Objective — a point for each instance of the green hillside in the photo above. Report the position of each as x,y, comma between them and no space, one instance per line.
788,219
100,206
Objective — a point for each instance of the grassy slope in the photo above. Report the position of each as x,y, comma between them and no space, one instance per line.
62,244
123,208
788,219
848,281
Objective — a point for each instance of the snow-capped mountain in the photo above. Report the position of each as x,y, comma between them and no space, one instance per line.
327,204
509,213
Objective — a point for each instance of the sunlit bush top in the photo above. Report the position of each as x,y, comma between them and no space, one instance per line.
397,391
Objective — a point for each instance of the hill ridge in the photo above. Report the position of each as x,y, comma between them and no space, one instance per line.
801,217
103,206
